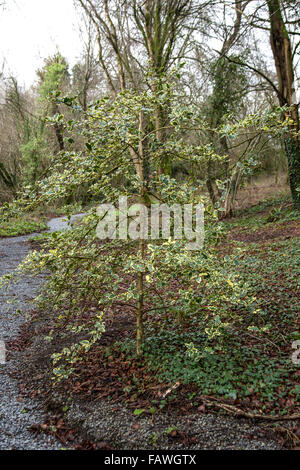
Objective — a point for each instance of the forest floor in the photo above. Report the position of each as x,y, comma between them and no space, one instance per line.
167,400
22,226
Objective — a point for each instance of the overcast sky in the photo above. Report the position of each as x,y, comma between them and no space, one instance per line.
31,30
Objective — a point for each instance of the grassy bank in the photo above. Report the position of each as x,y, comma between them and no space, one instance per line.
23,225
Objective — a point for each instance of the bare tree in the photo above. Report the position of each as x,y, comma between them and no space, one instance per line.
86,74
138,35
222,94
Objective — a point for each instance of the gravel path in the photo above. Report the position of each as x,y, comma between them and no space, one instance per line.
103,420
17,416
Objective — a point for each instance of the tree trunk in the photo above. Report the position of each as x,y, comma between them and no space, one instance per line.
282,52
8,179
140,169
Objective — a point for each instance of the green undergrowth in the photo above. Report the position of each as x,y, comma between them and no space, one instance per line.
264,215
22,226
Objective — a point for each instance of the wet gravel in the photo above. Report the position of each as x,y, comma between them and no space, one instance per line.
104,421
17,416
62,223
101,420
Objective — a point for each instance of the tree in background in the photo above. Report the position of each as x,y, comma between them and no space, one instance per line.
132,273
228,83
87,77
138,36
16,129
283,58
40,146
122,39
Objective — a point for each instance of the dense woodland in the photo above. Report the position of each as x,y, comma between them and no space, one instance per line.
176,102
